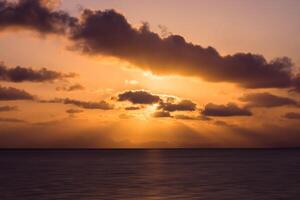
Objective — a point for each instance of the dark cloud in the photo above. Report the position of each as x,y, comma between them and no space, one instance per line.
71,88
159,114
231,109
185,117
10,93
292,115
21,74
101,105
267,100
183,105
11,120
132,108
188,117
8,108
221,123
74,111
296,83
35,15
109,33
167,104
139,97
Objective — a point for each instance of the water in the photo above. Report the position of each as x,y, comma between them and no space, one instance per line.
150,174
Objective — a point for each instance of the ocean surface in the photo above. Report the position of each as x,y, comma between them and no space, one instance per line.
150,174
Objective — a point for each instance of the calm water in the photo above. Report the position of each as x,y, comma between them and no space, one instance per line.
150,174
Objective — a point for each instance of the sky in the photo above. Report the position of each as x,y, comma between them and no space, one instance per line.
149,74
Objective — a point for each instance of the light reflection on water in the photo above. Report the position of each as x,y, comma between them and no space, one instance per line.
150,174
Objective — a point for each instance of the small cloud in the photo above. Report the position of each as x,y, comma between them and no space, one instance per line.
292,115
160,114
184,105
74,111
139,97
231,109
11,120
187,117
101,105
8,108
10,94
221,123
22,74
267,100
133,108
70,88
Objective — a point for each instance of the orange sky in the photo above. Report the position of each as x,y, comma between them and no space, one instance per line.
108,83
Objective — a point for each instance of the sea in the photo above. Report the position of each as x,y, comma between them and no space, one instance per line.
150,174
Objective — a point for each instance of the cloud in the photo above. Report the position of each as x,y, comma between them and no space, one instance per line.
267,100
144,97
74,111
10,94
109,33
292,115
71,88
101,105
296,83
11,120
183,105
231,109
21,74
188,117
159,114
8,108
35,15
132,108
139,97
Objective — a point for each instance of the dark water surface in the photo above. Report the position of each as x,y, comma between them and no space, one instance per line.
150,174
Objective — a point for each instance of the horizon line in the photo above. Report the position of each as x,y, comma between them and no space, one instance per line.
119,149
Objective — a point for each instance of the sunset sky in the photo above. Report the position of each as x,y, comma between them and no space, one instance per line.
149,74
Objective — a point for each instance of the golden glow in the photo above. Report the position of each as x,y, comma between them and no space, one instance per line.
104,77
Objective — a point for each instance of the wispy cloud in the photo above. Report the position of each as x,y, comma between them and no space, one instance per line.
22,74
